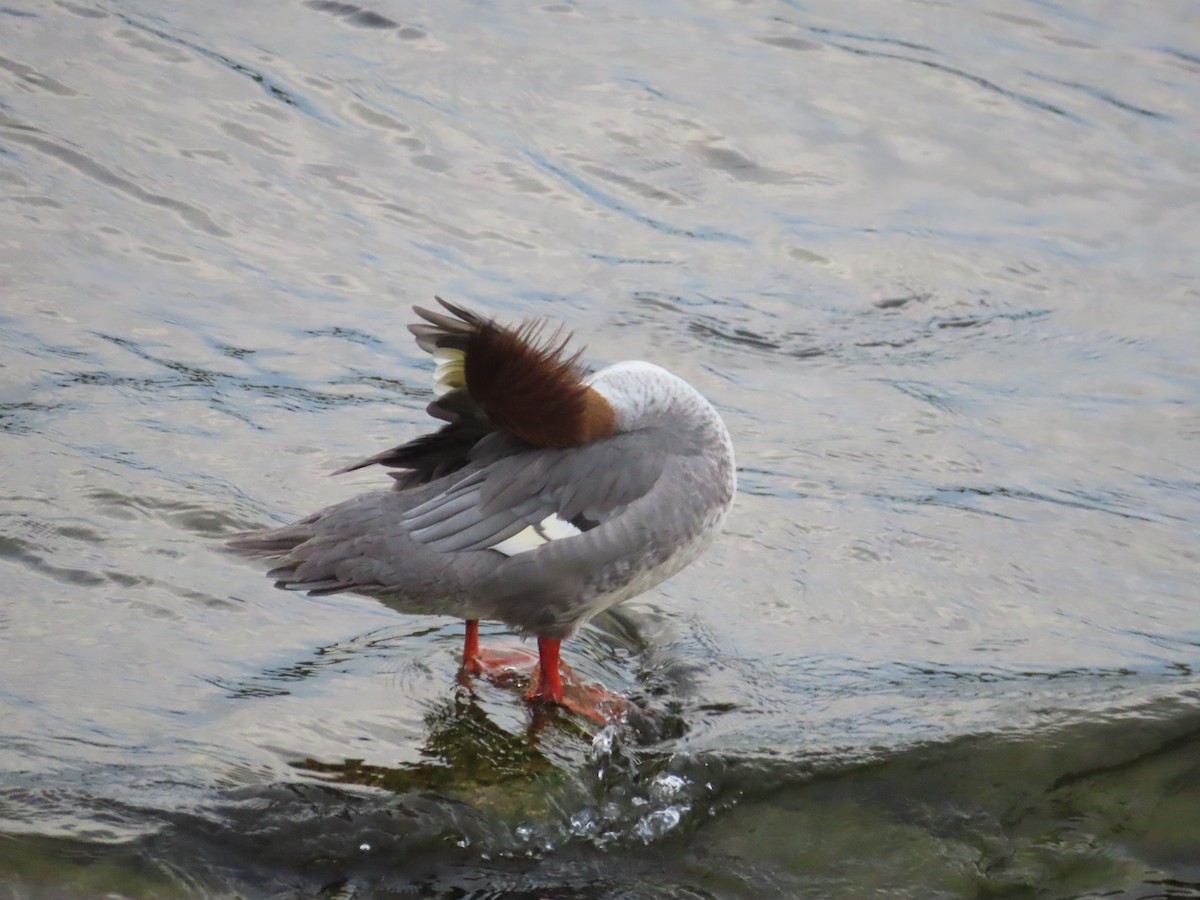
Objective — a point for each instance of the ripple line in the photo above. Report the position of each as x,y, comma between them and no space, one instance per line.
85,165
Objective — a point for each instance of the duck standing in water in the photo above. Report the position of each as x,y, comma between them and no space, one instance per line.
548,496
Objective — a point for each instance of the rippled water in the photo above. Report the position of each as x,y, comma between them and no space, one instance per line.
936,264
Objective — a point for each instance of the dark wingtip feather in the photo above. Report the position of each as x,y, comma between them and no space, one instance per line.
314,588
471,318
326,591
363,463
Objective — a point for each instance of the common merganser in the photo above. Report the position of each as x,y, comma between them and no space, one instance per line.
548,496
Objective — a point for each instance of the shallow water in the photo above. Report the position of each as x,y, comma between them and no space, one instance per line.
936,266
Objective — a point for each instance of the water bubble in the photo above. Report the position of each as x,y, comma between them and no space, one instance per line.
524,833
658,824
602,743
667,786
583,823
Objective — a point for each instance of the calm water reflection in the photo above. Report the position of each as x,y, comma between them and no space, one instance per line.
936,266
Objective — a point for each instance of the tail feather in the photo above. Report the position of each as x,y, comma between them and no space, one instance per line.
271,541
281,543
284,580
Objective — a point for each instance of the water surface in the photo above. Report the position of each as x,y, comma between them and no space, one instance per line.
934,264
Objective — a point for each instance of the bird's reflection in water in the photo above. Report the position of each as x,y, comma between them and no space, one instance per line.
464,747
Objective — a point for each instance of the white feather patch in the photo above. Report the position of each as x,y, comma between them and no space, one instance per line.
549,529
451,371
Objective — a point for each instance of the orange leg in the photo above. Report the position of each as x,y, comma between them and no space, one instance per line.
471,664
551,682
556,683
547,679
499,665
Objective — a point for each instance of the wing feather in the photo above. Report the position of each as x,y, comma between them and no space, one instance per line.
501,499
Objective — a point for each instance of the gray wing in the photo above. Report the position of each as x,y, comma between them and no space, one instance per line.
582,486
564,582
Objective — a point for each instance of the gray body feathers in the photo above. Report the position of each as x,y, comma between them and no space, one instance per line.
625,511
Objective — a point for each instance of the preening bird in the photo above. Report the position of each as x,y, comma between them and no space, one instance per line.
548,495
